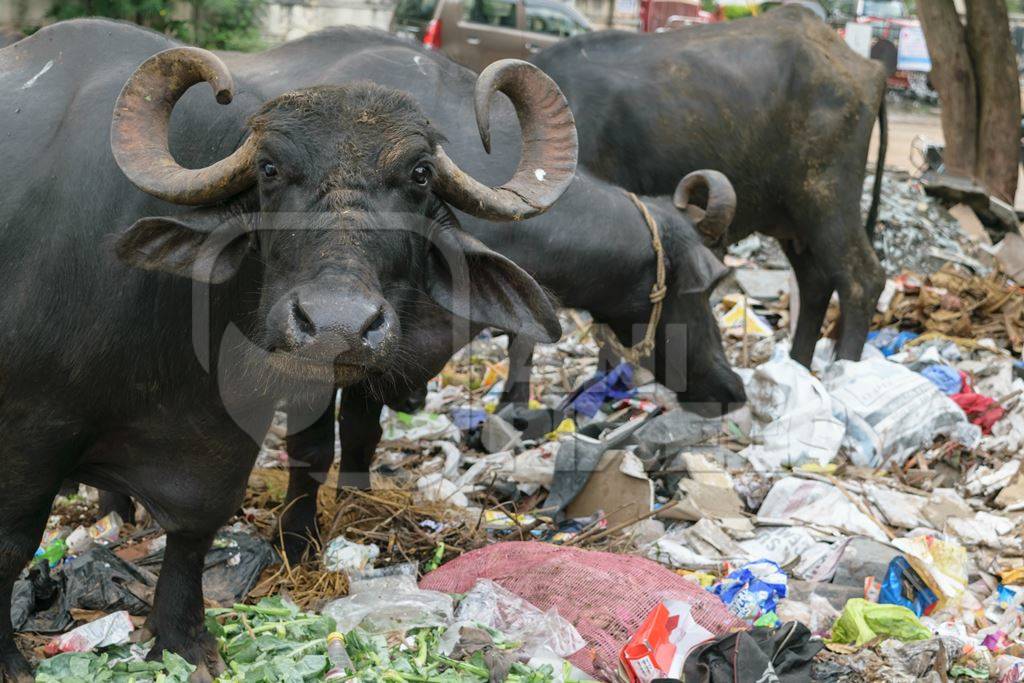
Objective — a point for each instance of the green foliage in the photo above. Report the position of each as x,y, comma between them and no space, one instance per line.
155,14
736,12
214,24
227,24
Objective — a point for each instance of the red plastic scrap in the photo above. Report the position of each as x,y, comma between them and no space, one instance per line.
605,596
981,410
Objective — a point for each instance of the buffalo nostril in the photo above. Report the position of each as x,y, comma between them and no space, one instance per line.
375,331
301,319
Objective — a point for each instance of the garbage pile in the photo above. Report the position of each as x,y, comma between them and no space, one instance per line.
858,520
917,233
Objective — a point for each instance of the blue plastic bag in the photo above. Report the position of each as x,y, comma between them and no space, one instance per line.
902,586
890,340
753,589
614,386
947,379
467,419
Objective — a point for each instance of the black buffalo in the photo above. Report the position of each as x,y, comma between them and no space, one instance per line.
780,105
302,242
591,251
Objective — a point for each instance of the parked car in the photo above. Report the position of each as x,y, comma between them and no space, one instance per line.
478,32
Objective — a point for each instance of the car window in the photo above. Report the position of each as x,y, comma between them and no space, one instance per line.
493,12
415,11
551,20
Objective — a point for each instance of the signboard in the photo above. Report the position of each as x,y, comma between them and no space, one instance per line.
913,53
858,37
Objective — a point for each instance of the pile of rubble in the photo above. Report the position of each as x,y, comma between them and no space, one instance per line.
855,521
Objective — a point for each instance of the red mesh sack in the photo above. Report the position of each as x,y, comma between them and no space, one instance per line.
605,596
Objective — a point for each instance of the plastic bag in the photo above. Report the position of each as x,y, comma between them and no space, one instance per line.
890,412
753,589
343,555
422,425
112,629
388,600
942,565
902,586
490,605
862,621
794,423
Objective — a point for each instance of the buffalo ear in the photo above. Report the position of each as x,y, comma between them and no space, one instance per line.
474,283
699,271
205,245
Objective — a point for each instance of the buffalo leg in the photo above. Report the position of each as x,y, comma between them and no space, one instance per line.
23,515
859,281
520,365
310,455
359,432
815,292
120,503
177,618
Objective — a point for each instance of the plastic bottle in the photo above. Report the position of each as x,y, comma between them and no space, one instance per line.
53,553
341,665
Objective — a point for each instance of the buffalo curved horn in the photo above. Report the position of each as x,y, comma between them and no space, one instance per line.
548,160
138,132
708,198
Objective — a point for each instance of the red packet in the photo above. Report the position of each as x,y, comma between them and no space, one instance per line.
660,647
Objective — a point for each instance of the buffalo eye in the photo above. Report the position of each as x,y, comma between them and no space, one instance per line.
420,174
269,169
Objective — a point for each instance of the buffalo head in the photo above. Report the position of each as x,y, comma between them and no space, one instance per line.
341,195
690,346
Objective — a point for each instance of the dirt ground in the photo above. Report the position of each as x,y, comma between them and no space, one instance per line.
906,122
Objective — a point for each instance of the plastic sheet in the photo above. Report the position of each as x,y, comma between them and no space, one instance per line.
890,412
388,601
813,502
490,605
112,629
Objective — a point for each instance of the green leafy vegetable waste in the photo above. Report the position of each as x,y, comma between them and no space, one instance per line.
274,641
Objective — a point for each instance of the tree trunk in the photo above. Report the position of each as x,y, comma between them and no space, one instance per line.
953,78
195,22
995,72
974,70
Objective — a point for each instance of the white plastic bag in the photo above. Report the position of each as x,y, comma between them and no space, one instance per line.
890,412
793,420
343,555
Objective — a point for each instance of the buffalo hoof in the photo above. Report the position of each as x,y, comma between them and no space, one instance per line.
296,530
201,651
296,548
143,634
13,666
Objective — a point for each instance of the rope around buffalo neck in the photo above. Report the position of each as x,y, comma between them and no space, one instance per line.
634,354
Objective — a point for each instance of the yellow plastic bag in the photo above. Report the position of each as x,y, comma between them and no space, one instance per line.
942,565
